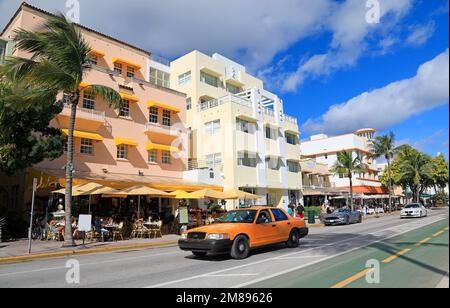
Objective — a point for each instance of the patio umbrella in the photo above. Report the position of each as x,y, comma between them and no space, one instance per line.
87,189
239,194
138,191
181,194
213,195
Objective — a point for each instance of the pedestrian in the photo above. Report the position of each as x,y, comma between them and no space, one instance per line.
300,211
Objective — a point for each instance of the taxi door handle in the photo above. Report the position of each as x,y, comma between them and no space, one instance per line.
273,226
289,223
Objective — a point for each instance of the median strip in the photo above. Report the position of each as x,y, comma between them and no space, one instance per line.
438,233
423,242
399,254
352,279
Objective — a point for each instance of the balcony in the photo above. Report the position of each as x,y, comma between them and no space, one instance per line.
85,114
230,98
158,128
291,119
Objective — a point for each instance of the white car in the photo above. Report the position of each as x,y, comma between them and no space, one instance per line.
414,210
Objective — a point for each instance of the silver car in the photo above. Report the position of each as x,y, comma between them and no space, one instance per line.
344,216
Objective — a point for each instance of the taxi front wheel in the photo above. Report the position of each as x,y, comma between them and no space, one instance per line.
294,239
241,248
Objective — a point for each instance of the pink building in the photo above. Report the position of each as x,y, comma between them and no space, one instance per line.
143,143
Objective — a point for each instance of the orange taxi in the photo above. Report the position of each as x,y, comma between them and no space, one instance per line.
239,231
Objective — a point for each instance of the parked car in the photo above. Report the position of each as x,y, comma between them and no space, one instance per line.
239,231
343,216
416,210
373,211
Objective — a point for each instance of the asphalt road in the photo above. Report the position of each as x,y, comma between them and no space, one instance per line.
333,256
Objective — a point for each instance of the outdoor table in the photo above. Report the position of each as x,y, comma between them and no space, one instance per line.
111,229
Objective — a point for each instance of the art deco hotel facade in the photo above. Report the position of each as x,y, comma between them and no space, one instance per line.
198,122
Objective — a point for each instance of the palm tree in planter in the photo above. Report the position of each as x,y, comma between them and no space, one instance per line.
384,146
347,165
59,61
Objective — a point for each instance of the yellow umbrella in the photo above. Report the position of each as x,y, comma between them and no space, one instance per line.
212,195
86,189
239,194
181,194
137,191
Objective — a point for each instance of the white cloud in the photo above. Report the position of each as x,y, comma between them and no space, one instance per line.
420,34
252,31
391,104
351,34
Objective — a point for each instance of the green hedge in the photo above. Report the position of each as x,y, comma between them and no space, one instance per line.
316,209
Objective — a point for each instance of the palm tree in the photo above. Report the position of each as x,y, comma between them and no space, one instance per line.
348,165
384,146
417,169
59,61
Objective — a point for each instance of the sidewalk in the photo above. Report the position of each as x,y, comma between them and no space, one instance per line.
11,252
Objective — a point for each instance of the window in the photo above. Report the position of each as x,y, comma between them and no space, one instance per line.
153,156
87,147
208,79
125,109
247,159
189,103
166,158
153,118
130,72
184,78
166,118
342,176
122,151
293,166
118,68
279,215
291,139
271,133
66,99
159,78
92,59
212,128
214,160
273,163
88,100
264,217
233,89
245,126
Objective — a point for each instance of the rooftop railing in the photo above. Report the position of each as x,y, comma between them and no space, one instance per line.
160,60
291,119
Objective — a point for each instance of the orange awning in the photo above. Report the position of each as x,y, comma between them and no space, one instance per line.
126,62
129,97
97,53
370,190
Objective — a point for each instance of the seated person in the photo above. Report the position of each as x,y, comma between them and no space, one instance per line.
263,218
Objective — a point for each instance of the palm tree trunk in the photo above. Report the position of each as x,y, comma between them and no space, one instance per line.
390,185
351,192
68,238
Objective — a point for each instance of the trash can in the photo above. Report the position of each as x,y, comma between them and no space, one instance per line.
311,217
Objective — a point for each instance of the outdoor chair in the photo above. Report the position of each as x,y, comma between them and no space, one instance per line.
118,234
157,229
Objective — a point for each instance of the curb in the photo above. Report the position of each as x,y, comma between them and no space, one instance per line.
39,256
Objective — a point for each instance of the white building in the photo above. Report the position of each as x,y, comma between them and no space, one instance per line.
324,149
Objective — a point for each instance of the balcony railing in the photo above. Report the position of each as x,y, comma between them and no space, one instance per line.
84,113
160,60
161,129
269,112
231,98
291,119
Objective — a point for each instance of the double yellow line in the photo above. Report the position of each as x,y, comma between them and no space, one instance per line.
390,259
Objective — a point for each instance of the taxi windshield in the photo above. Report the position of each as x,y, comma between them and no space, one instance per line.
242,216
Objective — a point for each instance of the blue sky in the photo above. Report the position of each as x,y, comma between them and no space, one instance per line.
334,71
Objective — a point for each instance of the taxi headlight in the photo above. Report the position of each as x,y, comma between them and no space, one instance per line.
184,236
222,236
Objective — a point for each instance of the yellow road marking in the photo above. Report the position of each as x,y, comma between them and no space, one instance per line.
349,280
438,233
423,241
446,229
398,254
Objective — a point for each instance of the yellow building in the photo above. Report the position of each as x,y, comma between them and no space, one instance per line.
238,129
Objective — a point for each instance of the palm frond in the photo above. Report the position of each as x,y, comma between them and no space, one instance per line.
16,69
111,96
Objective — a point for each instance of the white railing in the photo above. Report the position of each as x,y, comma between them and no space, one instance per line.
85,113
291,119
230,98
158,127
269,112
